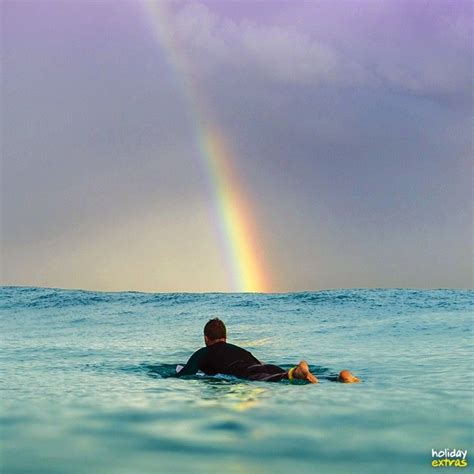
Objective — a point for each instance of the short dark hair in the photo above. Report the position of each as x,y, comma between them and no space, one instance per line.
215,329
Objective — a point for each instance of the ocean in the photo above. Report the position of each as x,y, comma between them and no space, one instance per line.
86,386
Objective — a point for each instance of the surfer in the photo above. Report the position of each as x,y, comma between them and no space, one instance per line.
220,357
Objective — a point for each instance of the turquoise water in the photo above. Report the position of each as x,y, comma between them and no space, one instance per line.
84,387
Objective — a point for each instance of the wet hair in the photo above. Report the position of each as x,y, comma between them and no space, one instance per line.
215,329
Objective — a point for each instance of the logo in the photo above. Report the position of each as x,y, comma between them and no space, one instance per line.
449,458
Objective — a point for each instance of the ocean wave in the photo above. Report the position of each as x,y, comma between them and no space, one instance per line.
402,299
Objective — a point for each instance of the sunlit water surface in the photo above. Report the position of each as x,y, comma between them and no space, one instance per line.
86,387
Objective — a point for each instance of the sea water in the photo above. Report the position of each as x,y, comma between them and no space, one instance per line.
86,384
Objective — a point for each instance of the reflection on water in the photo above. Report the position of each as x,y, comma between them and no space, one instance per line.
218,391
234,395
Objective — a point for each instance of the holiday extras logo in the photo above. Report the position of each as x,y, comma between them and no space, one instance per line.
449,458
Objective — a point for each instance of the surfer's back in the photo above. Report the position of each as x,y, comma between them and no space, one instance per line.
229,359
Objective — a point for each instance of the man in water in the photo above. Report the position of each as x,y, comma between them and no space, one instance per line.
220,357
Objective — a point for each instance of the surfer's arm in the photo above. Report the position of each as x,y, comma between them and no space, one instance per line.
194,363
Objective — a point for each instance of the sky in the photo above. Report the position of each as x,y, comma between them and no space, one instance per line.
236,145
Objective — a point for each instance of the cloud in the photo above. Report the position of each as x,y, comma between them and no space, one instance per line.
276,53
288,56
354,178
423,52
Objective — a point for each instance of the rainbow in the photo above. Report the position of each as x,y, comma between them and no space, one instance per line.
237,229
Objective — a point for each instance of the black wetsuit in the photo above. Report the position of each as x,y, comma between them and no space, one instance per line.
224,358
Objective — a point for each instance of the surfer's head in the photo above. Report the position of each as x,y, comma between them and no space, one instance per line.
214,331
347,377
